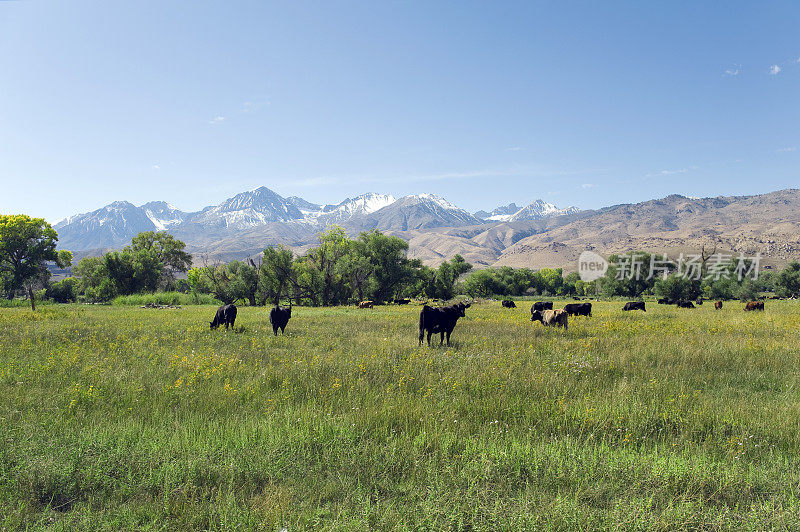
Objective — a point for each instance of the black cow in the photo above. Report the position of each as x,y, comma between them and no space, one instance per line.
683,303
699,301
279,317
634,305
225,314
507,303
578,309
402,301
542,305
440,320
665,301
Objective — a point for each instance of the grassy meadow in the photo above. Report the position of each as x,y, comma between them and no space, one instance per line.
115,417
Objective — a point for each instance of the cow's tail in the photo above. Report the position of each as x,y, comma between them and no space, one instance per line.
422,324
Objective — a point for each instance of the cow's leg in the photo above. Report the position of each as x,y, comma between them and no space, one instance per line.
275,330
421,335
448,338
441,338
283,329
429,338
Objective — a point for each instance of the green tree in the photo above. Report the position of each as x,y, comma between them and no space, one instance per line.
26,245
64,291
442,284
484,283
673,287
357,269
788,282
276,274
392,269
168,250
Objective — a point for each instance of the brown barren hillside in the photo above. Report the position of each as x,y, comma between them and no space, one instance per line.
768,223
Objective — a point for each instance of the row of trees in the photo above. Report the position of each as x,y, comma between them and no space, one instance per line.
339,270
666,280
151,262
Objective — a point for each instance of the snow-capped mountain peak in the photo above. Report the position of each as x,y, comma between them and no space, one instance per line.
250,209
162,214
539,209
115,224
437,200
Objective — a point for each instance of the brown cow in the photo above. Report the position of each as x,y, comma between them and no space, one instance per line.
366,304
754,305
556,318
717,305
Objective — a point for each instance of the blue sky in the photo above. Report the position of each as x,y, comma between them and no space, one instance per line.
484,103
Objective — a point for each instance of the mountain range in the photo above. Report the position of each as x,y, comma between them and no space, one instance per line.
535,235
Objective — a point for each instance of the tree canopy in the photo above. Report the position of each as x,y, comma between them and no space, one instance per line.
26,245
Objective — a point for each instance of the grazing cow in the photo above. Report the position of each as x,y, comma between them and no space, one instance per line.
754,305
699,301
440,320
665,301
556,318
279,317
402,301
225,314
718,305
366,304
634,305
542,305
578,309
684,303
507,303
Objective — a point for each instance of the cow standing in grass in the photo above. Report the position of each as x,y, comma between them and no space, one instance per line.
579,309
225,314
634,305
684,303
542,305
551,318
754,305
507,303
718,305
440,320
366,304
279,317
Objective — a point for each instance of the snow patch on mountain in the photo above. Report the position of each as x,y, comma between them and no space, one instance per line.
162,214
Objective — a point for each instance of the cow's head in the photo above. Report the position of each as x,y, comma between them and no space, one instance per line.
213,324
537,315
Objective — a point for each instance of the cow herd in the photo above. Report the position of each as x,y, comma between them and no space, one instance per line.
442,320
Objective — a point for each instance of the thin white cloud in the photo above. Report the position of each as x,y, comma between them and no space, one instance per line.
587,185
774,69
734,70
668,172
433,177
254,105
784,150
217,120
514,148
156,167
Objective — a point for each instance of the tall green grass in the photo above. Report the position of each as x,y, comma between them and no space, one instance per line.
165,298
120,417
